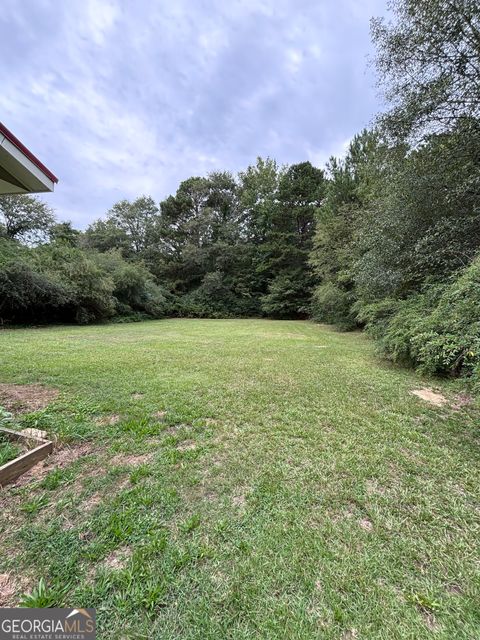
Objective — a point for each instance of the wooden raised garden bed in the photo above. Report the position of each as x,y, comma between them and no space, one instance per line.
33,449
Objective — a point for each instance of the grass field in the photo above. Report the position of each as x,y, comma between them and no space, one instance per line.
243,479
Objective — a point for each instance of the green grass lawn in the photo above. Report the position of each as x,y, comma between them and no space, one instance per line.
8,451
243,479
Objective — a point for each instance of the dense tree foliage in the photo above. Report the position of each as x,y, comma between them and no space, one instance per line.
24,218
398,236
288,241
59,283
386,238
344,211
225,245
222,246
428,64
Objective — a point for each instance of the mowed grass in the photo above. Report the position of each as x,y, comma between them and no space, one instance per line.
244,479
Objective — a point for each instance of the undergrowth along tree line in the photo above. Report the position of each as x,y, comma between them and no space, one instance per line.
386,238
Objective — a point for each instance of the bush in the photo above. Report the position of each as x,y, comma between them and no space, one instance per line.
376,316
63,283
134,292
436,331
27,296
216,297
88,289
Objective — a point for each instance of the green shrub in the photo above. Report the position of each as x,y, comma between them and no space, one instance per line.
216,297
63,283
436,331
27,296
376,316
135,293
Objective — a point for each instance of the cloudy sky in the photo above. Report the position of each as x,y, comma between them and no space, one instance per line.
121,98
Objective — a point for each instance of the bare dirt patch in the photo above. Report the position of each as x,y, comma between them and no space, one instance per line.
366,524
210,496
89,504
374,488
159,415
137,396
118,559
347,512
239,501
25,398
200,492
7,589
175,428
105,421
186,445
462,400
11,587
131,460
430,396
171,431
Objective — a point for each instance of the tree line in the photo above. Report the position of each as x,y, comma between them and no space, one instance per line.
222,246
386,238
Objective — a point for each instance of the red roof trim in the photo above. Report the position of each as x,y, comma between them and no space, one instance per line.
15,141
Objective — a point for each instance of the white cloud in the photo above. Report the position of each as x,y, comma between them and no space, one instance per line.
121,98
101,16
294,60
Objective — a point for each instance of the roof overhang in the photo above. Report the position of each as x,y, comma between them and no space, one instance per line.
20,170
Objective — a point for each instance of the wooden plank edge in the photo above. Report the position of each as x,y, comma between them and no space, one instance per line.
15,468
